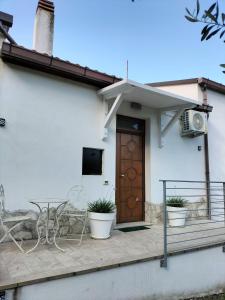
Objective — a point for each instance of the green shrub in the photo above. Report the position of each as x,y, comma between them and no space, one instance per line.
101,206
176,202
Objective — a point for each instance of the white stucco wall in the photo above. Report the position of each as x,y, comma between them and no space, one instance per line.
216,134
48,121
216,138
187,275
190,90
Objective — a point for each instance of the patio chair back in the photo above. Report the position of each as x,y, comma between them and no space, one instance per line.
75,197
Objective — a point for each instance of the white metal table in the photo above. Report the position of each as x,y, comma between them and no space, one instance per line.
44,207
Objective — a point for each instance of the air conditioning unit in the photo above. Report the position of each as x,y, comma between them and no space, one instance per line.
193,123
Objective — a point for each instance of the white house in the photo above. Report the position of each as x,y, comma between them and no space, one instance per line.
66,124
62,125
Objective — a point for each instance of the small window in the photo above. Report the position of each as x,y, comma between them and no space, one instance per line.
130,124
92,161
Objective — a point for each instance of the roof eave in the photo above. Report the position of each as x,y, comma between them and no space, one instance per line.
48,64
210,84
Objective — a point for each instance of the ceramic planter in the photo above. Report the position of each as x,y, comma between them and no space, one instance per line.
176,216
100,224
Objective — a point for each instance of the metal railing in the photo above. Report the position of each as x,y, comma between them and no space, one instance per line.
203,215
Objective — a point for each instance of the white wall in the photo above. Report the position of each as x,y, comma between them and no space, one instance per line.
192,90
187,275
216,138
48,121
216,135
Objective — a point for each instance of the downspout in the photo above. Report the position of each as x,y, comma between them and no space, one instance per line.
206,153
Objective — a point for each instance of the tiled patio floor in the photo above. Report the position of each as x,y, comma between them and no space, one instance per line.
46,262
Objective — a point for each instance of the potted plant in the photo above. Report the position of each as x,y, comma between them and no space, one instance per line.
101,214
176,211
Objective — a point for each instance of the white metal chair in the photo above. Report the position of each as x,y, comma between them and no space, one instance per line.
4,221
77,210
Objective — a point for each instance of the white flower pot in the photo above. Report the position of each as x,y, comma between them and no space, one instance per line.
176,216
100,224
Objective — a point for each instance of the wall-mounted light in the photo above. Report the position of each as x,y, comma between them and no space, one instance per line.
199,148
2,122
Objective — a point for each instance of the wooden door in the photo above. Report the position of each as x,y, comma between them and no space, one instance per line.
130,177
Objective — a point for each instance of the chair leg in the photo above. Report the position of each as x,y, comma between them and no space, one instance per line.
8,233
17,244
4,236
84,229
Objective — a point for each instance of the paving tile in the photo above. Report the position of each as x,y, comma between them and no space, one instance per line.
122,248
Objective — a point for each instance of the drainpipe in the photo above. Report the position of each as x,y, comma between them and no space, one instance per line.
206,152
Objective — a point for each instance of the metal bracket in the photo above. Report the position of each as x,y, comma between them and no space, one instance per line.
178,112
163,263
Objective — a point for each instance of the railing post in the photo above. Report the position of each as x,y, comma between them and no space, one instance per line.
163,262
208,194
224,202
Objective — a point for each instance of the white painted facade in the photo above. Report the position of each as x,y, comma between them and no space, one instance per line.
48,122
190,90
188,275
216,135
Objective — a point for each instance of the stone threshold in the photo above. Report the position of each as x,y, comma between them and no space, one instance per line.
66,273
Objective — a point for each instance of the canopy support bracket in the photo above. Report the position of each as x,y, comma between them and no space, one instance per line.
179,110
111,114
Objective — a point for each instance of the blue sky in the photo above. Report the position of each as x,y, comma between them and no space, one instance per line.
102,34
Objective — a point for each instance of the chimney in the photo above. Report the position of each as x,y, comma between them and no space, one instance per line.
44,27
6,22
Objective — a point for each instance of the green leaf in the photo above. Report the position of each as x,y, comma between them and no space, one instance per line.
191,19
223,17
222,34
198,7
222,65
188,11
206,32
217,11
212,34
204,29
212,7
209,15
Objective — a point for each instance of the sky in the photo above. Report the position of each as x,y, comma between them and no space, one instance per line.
152,35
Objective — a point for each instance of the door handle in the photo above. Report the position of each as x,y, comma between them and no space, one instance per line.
122,175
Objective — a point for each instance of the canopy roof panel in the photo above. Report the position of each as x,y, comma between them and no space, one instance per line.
146,95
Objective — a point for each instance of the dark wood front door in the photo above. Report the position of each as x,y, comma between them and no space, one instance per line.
130,176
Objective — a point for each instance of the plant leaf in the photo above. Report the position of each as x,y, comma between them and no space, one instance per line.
217,12
188,11
204,29
212,7
212,34
222,34
206,32
191,19
222,65
223,17
209,15
198,7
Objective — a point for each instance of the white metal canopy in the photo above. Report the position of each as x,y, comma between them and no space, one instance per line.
131,91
